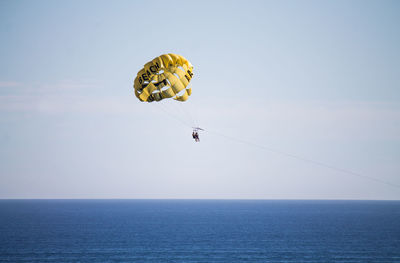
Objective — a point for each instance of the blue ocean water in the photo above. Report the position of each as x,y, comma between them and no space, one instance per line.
199,231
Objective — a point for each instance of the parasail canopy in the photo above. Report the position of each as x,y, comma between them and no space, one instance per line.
166,76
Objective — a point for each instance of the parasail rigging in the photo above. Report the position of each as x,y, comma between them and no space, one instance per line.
166,77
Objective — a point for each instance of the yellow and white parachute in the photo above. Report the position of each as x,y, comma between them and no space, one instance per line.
166,76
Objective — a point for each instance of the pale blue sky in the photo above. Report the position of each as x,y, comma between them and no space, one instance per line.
316,79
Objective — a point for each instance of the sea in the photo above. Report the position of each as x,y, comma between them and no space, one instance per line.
199,231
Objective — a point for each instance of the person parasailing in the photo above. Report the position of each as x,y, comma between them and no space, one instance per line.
195,136
195,133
